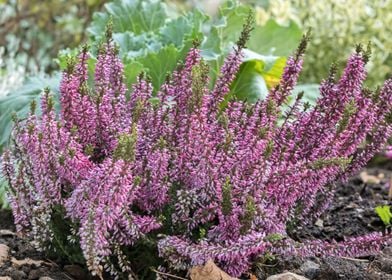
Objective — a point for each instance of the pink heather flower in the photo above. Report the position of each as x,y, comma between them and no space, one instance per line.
388,152
355,246
288,81
228,72
203,181
78,111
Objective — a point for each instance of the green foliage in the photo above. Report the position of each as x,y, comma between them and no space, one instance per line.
311,93
250,211
3,193
338,25
226,199
126,146
274,237
160,64
129,16
385,214
159,42
275,39
148,39
19,102
257,75
35,32
66,250
336,161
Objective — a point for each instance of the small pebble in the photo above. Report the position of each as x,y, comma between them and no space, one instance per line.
310,269
18,274
287,276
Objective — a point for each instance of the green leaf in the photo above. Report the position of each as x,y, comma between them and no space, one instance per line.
132,45
221,35
63,56
3,193
272,38
232,18
135,16
311,92
159,64
211,48
257,75
131,71
384,212
136,26
269,39
275,39
249,84
19,102
178,30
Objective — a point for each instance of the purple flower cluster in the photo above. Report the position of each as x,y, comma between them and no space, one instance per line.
218,180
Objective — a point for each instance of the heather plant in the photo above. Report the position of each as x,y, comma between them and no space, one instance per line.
191,173
155,45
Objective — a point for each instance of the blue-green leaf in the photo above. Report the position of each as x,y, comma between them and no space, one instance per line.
19,101
159,64
135,16
275,39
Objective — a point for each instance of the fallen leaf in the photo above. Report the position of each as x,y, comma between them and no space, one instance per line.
390,189
4,249
371,179
252,277
6,232
287,276
209,272
319,223
26,261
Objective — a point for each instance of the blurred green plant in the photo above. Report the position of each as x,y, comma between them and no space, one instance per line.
17,101
11,74
338,25
157,43
35,30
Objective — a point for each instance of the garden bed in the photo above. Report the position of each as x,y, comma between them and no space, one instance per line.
24,262
351,213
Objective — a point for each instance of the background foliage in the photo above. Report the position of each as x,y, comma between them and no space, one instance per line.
37,30
338,26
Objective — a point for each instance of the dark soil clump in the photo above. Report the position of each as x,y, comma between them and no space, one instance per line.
6,220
